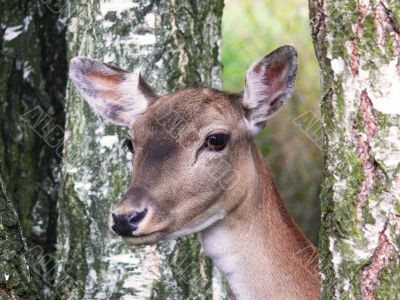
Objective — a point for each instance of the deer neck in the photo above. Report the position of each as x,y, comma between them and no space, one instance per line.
259,248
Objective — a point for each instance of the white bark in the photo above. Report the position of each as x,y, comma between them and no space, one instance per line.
358,48
172,48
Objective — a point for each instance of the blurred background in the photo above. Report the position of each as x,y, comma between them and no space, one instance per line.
290,143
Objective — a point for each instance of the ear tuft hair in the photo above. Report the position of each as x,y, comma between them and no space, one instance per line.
113,93
269,83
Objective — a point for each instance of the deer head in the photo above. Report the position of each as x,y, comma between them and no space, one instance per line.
190,149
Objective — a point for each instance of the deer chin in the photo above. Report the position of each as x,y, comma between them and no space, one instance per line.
198,226
144,239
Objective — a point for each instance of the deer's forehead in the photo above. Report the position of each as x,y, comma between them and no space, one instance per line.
194,104
182,114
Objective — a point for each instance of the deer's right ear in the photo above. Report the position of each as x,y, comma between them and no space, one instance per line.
115,94
269,84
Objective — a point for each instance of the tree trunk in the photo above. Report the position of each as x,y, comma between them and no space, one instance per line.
17,278
33,79
175,44
358,47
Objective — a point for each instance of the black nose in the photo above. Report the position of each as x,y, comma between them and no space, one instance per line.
125,224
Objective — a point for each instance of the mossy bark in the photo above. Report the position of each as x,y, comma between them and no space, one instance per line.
17,279
33,79
358,47
175,44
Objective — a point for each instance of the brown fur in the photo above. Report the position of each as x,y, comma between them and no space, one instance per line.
176,193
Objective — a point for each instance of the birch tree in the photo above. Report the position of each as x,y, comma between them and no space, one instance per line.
174,44
357,44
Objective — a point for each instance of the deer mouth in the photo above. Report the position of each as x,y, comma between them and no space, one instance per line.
144,239
139,226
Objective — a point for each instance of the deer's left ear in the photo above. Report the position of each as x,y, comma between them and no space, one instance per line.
116,95
269,83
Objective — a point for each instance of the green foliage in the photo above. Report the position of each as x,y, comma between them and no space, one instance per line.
251,29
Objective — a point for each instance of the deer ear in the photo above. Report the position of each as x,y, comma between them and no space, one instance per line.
115,94
269,83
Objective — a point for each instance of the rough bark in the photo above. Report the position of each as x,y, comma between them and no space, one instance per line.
32,88
358,47
17,279
175,44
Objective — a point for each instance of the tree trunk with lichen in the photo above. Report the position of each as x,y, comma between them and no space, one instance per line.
175,44
17,279
32,89
358,47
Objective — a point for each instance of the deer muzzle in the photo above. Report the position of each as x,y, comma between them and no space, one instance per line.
126,224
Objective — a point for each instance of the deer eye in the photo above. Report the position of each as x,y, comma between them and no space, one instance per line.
128,144
217,142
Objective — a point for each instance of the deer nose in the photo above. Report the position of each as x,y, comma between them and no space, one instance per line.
126,224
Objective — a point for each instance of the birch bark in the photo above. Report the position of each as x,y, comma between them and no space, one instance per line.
175,44
358,47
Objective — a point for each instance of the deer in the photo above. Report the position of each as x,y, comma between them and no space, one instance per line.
180,143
